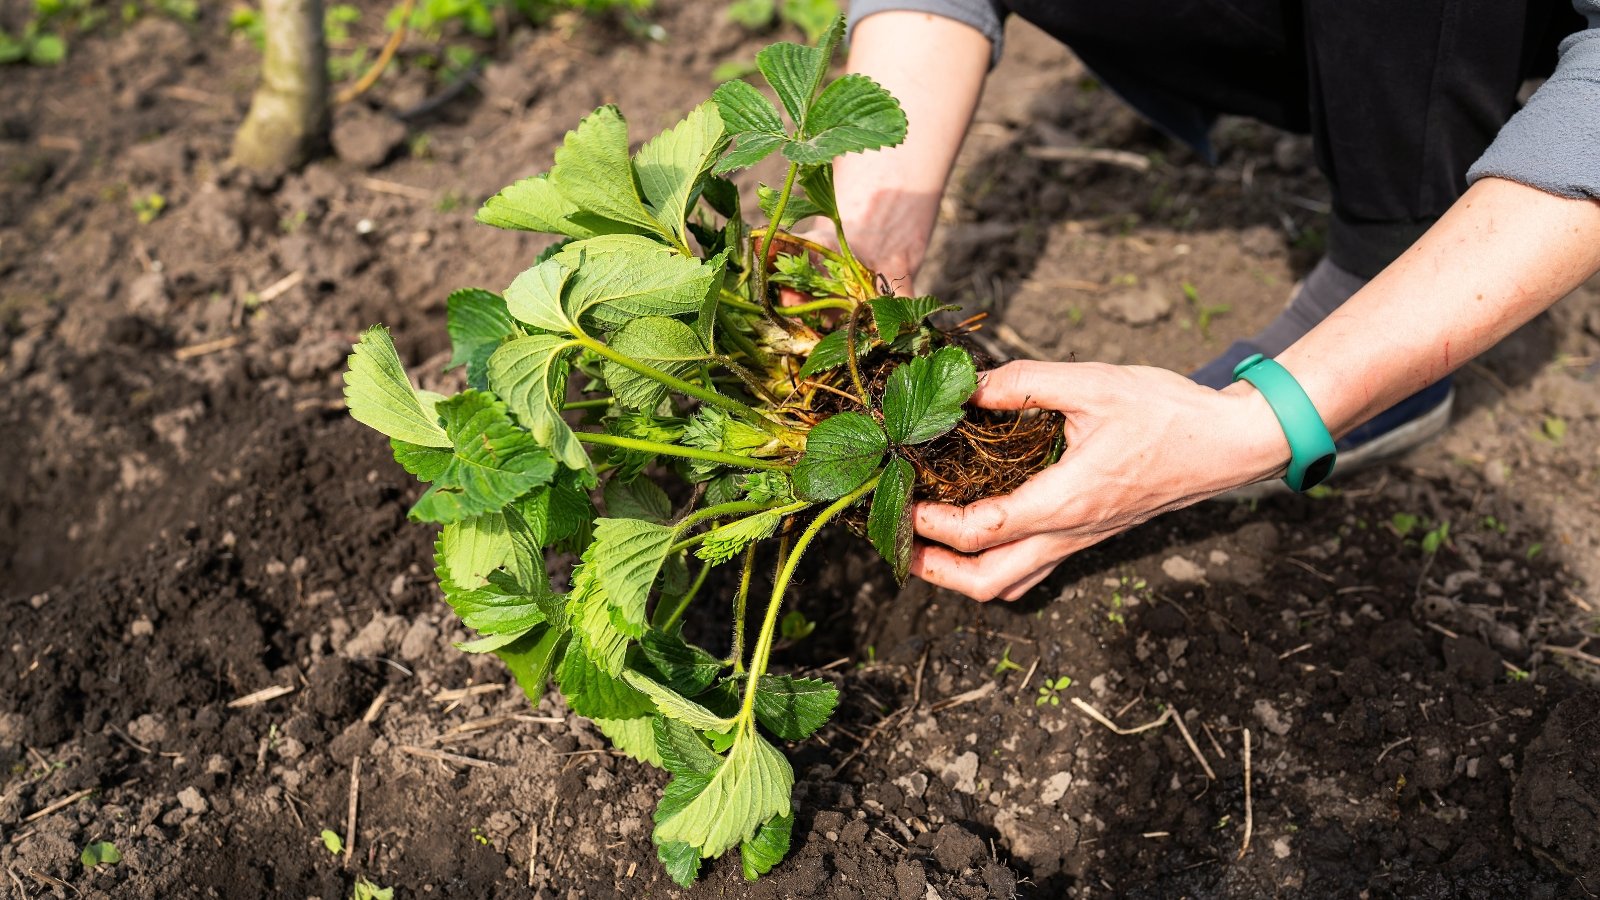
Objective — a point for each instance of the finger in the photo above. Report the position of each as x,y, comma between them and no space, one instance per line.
1020,589
1029,384
1033,508
987,575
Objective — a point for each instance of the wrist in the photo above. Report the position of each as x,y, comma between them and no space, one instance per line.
1262,448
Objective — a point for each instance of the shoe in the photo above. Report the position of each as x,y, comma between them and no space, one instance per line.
1410,423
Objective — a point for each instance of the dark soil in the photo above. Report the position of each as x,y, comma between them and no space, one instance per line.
189,517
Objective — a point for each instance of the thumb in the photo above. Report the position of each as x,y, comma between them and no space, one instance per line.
1026,384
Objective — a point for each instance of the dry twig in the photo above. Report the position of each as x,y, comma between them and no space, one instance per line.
442,756
1249,807
1098,716
350,815
59,805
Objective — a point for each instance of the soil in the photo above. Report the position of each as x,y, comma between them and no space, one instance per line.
190,518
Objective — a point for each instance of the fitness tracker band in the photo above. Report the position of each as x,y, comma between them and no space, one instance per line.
1311,449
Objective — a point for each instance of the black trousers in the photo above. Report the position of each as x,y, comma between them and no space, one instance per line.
1400,96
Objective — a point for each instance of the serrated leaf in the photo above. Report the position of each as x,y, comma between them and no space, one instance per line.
817,181
637,498
681,861
536,297
492,463
794,708
889,523
490,608
532,657
682,751
852,114
590,616
721,194
533,204
380,395
795,71
594,694
753,122
797,209
892,315
618,278
705,318
635,737
667,345
478,323
833,351
842,452
674,705
751,786
682,666
923,398
472,548
674,164
626,557
770,845
530,374
679,793
559,513
593,172
728,541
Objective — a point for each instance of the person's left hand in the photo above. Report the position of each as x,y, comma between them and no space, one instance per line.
1139,442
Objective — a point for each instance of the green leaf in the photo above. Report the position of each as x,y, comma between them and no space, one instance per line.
674,164
478,323
794,708
620,277
924,396
852,114
530,374
758,855
380,395
534,204
889,523
366,890
637,498
833,351
330,840
797,209
48,50
660,343
684,667
635,737
796,71
682,750
721,194
674,705
753,122
535,297
728,541
559,513
532,657
98,853
490,611
590,616
472,548
594,694
681,861
768,487
817,181
488,644
842,452
493,462
894,315
750,787
593,172
627,555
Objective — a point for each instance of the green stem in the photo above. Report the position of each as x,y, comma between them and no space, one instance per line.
850,355
741,341
687,388
739,600
759,281
758,659
601,403
728,509
661,623
726,459
863,277
800,309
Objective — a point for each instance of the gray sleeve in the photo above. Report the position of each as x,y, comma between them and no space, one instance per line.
1553,143
988,16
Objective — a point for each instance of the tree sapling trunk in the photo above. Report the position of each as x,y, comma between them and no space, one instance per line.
288,120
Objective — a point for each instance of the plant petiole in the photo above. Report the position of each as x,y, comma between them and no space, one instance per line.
710,397
643,446
758,284
665,623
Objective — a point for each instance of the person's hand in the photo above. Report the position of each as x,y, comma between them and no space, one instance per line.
1139,442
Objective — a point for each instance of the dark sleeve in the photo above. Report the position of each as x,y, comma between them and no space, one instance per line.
1553,143
987,16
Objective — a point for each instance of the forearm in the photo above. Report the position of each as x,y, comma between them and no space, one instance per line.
890,198
1501,255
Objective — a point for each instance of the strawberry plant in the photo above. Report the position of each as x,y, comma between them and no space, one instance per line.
644,349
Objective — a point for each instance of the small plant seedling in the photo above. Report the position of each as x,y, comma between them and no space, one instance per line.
1553,429
811,16
98,853
1404,523
646,345
332,841
366,890
1051,691
1534,549
1006,664
795,626
1436,537
149,207
1204,315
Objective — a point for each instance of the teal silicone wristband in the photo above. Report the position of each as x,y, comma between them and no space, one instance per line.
1311,450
